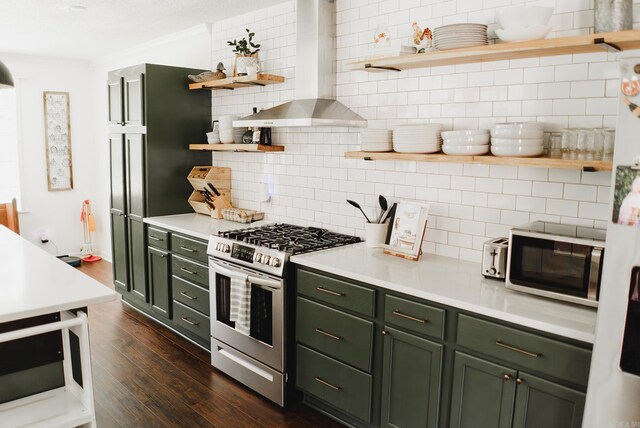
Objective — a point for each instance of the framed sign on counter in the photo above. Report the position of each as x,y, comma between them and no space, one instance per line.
406,229
57,130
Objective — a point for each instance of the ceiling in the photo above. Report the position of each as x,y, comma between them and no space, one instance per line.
52,28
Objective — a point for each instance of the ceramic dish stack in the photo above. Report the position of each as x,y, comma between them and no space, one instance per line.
376,140
460,36
466,143
523,139
418,138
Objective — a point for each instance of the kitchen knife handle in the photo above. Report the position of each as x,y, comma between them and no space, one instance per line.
214,189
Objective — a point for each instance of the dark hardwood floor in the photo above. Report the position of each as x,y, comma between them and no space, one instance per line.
146,376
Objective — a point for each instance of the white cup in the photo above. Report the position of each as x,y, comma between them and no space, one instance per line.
375,234
252,69
213,137
226,136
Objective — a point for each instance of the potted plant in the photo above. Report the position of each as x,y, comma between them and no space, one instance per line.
246,53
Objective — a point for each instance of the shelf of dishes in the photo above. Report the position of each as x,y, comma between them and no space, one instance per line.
614,41
236,148
231,83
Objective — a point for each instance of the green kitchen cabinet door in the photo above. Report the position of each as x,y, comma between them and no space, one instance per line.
540,403
115,95
118,173
411,380
483,393
134,99
120,253
135,170
138,261
159,293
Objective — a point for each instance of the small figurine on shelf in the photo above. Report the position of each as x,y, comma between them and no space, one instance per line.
422,40
220,72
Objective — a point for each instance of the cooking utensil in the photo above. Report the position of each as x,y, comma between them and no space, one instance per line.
383,207
390,212
357,205
214,189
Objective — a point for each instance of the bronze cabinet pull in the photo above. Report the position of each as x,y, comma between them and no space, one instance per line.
513,348
506,376
333,293
188,321
155,238
333,336
182,293
187,249
385,332
188,271
519,381
325,383
409,317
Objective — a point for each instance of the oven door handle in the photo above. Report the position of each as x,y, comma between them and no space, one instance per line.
265,282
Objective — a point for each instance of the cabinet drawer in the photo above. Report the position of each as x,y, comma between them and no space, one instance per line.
191,271
191,320
190,294
342,386
337,292
335,333
158,238
534,352
413,316
191,248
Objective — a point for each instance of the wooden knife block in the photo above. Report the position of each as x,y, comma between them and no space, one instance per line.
220,178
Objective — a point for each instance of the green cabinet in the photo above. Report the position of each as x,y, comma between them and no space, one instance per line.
410,380
119,228
159,270
134,98
115,98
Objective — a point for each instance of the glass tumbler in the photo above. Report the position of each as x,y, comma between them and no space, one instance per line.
609,142
569,143
555,145
597,146
585,142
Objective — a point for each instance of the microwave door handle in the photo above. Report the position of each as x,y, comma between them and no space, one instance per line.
265,282
594,273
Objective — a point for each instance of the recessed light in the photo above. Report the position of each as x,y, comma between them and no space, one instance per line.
77,8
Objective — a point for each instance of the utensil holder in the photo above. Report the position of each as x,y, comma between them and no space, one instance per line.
375,234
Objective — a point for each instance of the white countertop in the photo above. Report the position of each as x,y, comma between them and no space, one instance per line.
198,225
455,283
33,282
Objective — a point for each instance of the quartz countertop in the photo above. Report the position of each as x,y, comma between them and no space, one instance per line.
455,283
34,282
198,225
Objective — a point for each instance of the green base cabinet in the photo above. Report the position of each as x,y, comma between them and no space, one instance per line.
159,292
410,380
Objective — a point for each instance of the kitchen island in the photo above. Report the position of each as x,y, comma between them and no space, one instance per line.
45,373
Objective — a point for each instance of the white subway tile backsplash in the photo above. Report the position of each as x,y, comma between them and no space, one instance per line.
501,201
562,208
578,192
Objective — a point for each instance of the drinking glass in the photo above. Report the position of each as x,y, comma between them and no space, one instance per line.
609,142
585,142
555,145
569,143
597,146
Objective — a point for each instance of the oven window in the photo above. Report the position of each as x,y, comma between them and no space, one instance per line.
630,356
550,265
261,312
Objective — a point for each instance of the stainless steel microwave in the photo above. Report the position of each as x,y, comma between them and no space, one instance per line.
556,260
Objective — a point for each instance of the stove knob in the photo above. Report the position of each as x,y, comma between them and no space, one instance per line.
275,262
266,259
257,257
226,248
219,246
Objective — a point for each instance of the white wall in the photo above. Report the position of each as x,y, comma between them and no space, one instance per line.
58,212
311,180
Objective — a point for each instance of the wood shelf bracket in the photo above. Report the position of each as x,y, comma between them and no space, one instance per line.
380,67
609,47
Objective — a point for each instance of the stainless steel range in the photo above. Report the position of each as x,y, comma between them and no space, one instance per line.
252,301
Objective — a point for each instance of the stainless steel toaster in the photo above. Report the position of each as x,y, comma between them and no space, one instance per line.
494,258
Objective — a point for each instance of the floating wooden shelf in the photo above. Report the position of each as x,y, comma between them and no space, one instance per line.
236,148
539,162
238,82
616,41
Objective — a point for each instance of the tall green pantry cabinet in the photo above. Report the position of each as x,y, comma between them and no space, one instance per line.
152,119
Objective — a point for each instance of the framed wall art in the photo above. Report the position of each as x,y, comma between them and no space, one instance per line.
57,130
406,229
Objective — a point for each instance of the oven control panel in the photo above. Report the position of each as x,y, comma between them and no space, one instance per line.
264,259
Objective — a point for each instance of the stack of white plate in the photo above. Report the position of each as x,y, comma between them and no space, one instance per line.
376,140
460,36
517,139
418,138
466,143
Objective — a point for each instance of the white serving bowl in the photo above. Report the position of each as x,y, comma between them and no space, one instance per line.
213,137
524,16
513,142
523,151
516,133
520,34
518,125
470,150
467,133
474,140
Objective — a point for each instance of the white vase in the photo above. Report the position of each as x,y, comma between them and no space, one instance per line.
242,62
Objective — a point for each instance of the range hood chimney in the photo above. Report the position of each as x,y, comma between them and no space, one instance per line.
315,103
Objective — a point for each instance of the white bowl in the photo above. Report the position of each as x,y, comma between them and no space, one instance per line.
469,133
471,140
518,125
524,16
523,151
470,150
213,137
520,34
513,142
516,133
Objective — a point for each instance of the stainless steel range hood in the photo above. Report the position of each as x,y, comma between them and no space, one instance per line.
314,103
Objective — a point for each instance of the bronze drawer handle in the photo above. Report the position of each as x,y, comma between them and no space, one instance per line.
333,336
506,376
188,271
155,238
188,321
409,317
188,249
333,293
519,381
513,348
325,383
182,293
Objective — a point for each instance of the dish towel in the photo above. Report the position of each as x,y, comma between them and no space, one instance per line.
240,303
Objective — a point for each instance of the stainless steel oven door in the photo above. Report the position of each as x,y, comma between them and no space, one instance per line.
265,342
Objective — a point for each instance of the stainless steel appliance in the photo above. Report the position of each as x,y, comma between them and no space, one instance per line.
556,260
494,258
252,296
